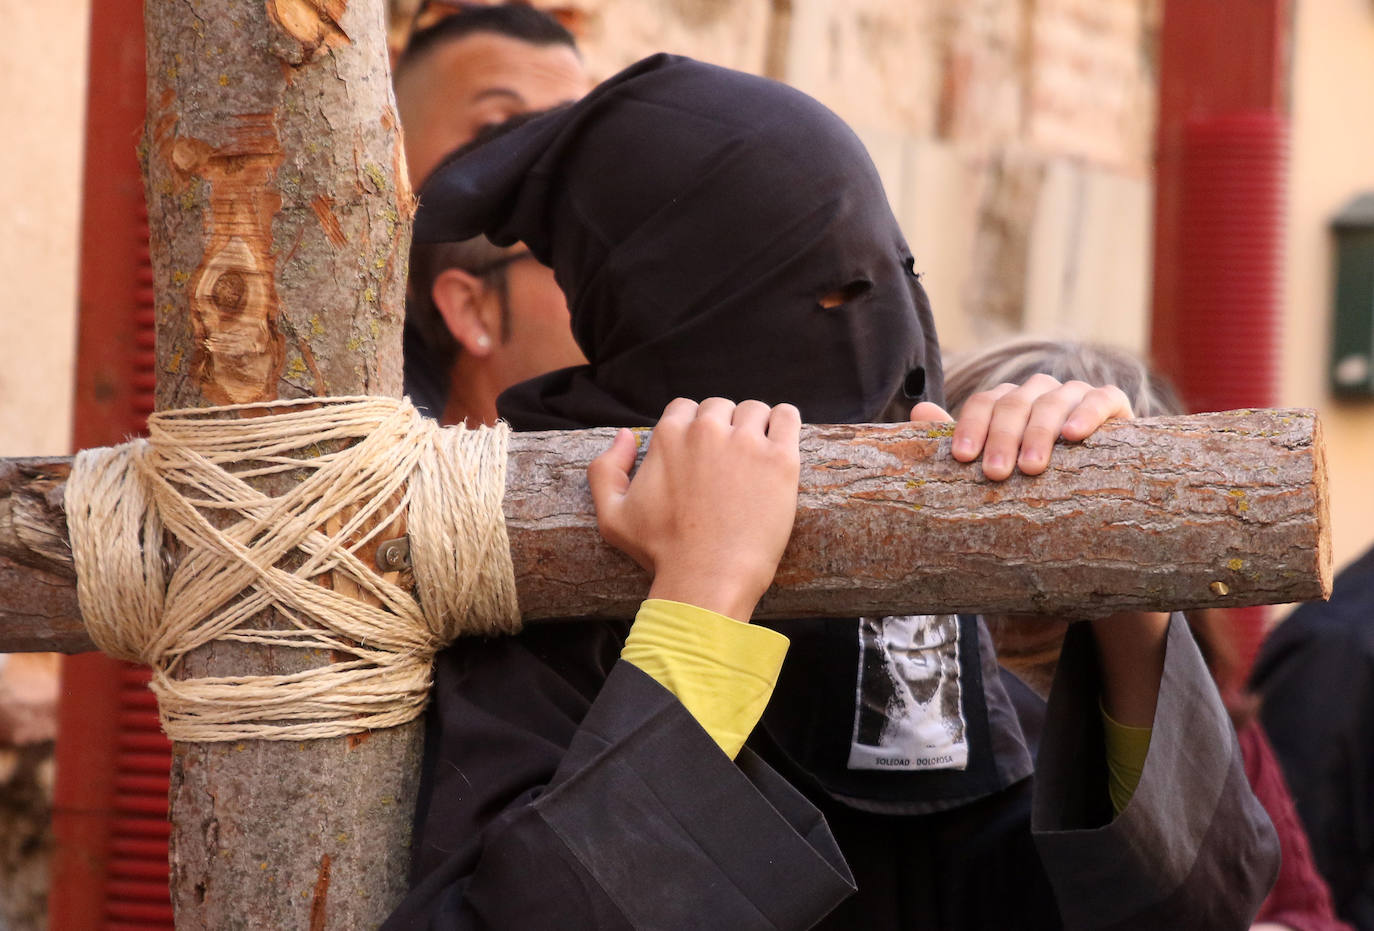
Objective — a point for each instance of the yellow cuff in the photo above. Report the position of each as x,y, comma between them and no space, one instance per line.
722,670
1127,748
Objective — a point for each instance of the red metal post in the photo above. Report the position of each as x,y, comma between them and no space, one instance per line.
1222,144
110,814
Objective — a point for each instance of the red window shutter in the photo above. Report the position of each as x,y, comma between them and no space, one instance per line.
110,867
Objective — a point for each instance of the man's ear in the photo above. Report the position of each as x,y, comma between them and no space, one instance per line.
462,300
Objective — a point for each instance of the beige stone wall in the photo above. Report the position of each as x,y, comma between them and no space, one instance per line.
1014,136
731,33
43,71
1332,160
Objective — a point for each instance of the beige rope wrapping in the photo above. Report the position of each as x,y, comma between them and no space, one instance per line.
362,464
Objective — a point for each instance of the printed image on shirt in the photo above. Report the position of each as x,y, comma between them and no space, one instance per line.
909,712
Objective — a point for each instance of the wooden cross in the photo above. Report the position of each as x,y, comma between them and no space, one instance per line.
280,224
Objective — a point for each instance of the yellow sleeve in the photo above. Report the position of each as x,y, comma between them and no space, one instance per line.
722,670
1126,751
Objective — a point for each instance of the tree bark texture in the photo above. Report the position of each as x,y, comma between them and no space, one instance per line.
1210,510
38,607
1201,511
280,227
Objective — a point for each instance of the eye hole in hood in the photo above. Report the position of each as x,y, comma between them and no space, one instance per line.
914,386
843,295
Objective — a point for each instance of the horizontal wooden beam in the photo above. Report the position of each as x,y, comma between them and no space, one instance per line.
38,608
1208,510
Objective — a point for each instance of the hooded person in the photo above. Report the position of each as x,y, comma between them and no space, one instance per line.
696,239
722,235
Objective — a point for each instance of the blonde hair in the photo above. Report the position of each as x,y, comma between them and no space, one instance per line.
1015,361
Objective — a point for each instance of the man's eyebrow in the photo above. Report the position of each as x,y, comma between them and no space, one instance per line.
498,92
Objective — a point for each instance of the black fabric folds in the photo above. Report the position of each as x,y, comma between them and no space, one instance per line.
695,217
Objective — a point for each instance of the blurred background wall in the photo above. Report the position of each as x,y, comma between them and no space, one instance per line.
42,107
1331,162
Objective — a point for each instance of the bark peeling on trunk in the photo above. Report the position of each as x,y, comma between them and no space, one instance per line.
280,222
279,208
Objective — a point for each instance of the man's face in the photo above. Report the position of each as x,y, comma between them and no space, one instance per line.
444,100
480,80
539,336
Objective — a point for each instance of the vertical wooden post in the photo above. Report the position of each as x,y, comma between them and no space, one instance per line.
279,219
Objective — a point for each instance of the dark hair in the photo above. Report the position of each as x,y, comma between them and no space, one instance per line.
515,21
430,349
428,262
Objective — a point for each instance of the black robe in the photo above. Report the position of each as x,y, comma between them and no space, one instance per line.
565,788
1316,675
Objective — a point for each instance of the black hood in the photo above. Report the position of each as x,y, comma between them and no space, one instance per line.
694,216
